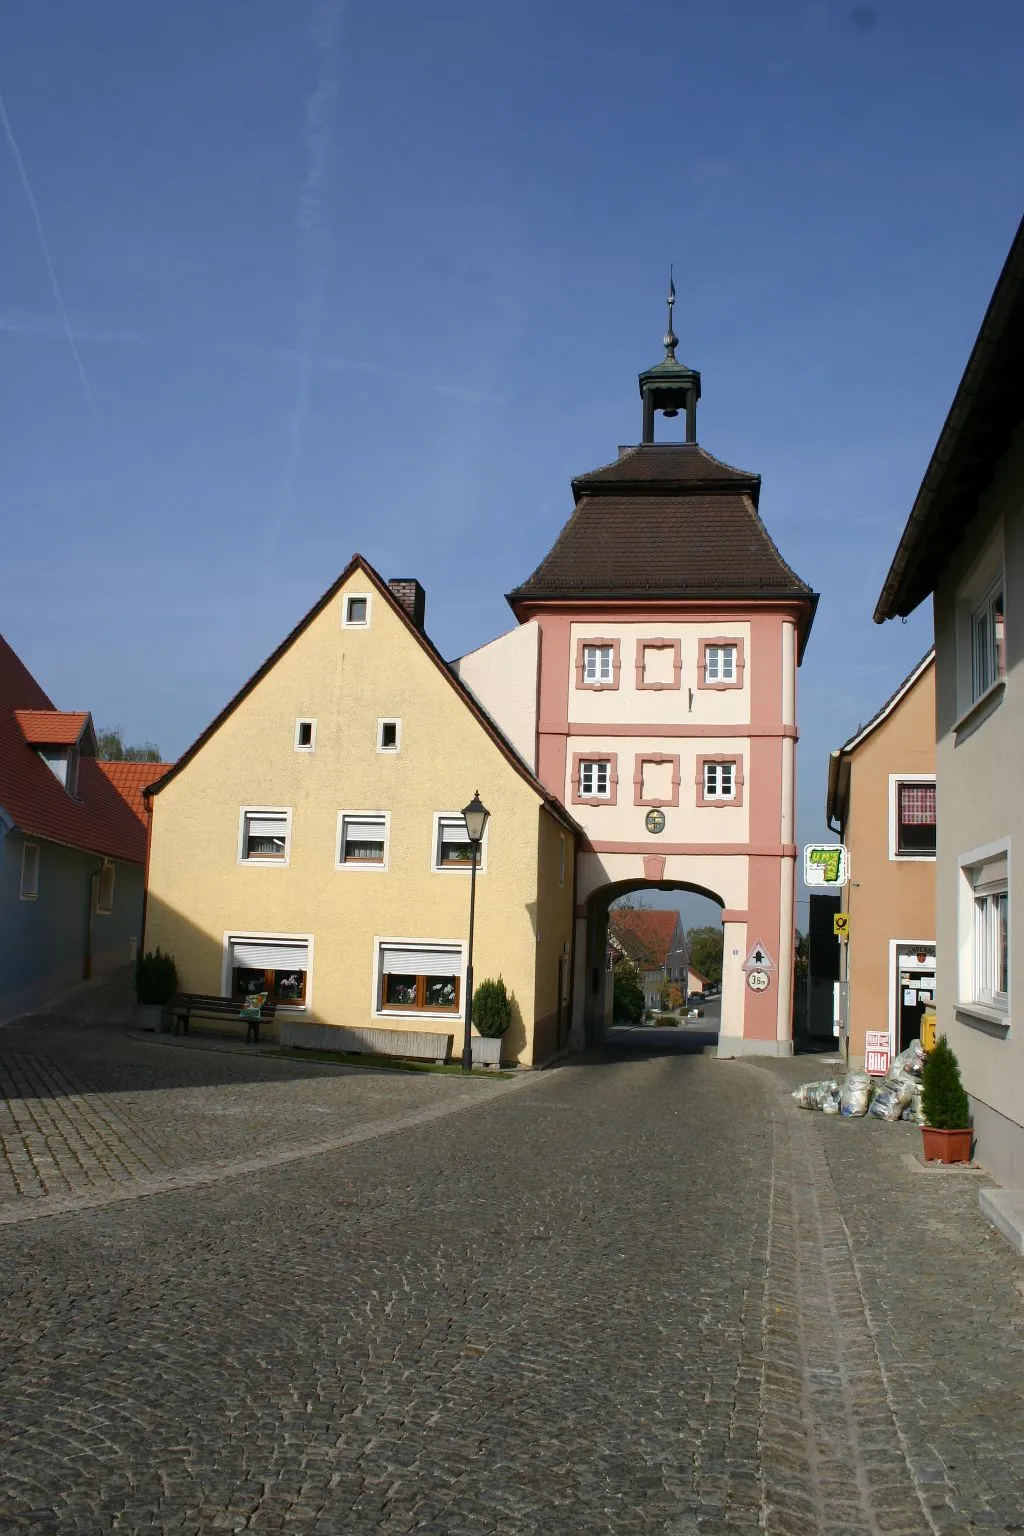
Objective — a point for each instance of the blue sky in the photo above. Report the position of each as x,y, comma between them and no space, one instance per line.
316,278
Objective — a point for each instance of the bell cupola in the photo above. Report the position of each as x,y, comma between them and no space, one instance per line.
670,387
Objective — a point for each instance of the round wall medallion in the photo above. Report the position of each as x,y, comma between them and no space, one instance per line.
654,821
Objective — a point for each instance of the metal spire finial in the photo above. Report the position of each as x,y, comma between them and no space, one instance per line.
671,340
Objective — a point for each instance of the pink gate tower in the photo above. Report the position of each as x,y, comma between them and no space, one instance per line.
666,634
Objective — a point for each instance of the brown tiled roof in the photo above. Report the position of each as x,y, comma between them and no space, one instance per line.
51,727
673,465
665,520
96,818
130,779
644,933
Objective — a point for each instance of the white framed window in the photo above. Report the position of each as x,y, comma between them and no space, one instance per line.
264,835
105,889
720,664
305,735
355,610
29,871
988,640
983,933
389,735
561,858
451,849
598,664
421,977
912,820
981,628
278,964
595,782
363,838
719,781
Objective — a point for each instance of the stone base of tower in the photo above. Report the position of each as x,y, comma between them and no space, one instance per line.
743,1045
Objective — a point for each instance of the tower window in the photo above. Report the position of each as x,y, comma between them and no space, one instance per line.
597,663
720,662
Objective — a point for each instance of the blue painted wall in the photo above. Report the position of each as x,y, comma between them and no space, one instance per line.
43,942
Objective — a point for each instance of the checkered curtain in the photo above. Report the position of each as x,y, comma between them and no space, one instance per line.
917,805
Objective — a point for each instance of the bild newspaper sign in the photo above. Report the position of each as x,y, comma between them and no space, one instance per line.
877,1054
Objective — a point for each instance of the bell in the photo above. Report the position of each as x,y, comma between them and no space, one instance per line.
670,411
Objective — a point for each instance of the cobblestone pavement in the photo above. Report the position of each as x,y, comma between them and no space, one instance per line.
634,1294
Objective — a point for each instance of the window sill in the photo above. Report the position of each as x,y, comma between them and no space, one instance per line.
911,858
982,705
363,865
416,1013
991,1021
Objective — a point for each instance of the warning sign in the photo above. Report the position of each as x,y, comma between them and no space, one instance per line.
841,925
877,1052
759,959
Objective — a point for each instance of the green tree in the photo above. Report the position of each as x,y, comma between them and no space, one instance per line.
945,1104
111,747
800,957
628,994
705,950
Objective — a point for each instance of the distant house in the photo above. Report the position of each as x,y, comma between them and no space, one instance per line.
881,801
656,942
696,981
963,546
72,851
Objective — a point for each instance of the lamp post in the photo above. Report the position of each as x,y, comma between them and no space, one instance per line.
475,814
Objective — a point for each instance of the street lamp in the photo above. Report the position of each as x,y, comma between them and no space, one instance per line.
475,815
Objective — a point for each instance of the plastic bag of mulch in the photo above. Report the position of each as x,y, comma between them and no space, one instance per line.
816,1095
856,1094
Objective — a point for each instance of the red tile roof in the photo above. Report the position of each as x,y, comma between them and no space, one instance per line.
51,727
645,934
130,779
96,819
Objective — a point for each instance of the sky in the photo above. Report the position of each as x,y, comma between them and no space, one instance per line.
282,280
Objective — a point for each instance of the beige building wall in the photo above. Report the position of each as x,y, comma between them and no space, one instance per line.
890,898
502,676
347,680
981,805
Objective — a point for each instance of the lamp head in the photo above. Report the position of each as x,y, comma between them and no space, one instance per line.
476,814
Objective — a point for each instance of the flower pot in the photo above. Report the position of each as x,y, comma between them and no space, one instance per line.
487,1050
947,1146
150,1017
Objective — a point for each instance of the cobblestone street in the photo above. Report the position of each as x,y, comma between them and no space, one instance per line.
636,1293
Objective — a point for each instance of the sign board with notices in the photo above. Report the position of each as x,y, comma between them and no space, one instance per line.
826,864
877,1052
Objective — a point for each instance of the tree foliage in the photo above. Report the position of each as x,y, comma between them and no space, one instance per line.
111,748
705,949
628,994
492,1009
945,1104
800,957
156,977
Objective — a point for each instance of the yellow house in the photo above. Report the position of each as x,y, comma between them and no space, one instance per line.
310,843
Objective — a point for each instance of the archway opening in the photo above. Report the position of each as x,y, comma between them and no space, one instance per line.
654,965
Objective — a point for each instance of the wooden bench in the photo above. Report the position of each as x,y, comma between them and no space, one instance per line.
185,1004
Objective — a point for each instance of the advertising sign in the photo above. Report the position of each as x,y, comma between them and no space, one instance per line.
826,864
877,1054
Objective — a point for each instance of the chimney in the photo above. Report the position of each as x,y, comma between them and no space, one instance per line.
411,596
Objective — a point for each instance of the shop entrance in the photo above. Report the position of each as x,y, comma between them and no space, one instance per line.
911,988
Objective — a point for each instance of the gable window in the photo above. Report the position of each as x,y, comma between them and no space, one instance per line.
597,663
305,735
356,611
363,839
419,978
914,829
452,847
988,648
105,889
720,662
265,836
29,871
984,933
719,781
388,735
278,967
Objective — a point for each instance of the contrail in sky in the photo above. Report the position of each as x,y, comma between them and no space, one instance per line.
58,296
312,225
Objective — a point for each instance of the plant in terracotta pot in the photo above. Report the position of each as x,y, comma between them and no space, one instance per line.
947,1112
492,1015
156,981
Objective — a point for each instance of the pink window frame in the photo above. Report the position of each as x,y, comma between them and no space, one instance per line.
702,646
616,663
662,643
612,759
638,777
720,757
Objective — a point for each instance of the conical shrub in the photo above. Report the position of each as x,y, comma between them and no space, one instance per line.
943,1099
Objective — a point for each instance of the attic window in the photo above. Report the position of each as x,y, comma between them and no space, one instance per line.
356,611
63,764
305,735
388,735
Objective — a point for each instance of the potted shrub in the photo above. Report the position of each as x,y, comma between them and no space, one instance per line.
492,1015
156,981
947,1129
